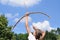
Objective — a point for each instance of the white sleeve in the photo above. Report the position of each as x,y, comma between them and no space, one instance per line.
31,37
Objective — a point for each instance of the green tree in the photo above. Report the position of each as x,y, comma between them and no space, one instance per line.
5,30
58,30
50,36
58,37
22,37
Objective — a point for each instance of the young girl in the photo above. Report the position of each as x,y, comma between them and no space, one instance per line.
37,34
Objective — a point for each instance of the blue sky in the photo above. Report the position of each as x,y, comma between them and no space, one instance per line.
50,7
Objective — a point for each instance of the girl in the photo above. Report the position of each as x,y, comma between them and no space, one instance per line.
37,34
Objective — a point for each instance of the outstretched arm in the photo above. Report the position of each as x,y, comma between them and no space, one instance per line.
26,23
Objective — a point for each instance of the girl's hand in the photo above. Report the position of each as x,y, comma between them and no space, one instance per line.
27,14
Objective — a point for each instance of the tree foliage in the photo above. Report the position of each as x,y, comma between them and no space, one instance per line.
5,30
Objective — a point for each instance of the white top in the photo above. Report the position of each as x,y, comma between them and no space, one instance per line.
31,37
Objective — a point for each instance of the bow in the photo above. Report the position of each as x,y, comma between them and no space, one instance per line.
29,14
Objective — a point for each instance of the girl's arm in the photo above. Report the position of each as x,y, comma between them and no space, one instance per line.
26,24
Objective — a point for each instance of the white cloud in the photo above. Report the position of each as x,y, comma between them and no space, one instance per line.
45,25
9,15
17,14
20,2
16,19
29,19
23,20
4,1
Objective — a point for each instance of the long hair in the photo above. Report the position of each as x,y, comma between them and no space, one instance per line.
38,34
